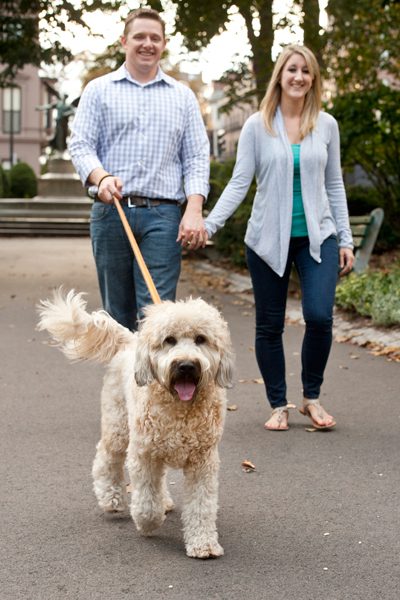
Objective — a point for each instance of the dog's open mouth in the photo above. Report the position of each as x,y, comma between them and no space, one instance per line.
185,379
185,390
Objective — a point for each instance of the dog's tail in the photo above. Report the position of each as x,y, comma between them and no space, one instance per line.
80,335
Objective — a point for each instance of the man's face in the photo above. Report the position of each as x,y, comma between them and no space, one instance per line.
144,45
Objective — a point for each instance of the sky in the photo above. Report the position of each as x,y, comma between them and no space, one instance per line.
225,49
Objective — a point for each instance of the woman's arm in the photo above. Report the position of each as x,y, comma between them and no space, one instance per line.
241,179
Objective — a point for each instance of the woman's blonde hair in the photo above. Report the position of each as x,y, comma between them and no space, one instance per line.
312,104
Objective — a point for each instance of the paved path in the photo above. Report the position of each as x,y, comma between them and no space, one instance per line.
318,519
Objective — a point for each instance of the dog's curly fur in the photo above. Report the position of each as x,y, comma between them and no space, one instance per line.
163,405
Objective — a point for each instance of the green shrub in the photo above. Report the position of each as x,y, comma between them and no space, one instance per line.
361,200
4,184
23,181
374,294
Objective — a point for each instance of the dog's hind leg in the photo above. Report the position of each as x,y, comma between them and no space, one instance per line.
108,467
150,500
199,514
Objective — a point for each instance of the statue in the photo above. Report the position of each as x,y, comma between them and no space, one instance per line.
64,111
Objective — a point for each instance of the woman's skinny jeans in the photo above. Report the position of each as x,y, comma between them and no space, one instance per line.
318,283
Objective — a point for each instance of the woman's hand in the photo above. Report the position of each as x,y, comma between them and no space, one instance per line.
346,261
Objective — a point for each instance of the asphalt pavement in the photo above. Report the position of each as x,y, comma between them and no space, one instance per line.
317,519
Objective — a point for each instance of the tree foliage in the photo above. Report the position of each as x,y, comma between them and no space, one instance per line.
362,58
362,46
370,137
29,31
200,20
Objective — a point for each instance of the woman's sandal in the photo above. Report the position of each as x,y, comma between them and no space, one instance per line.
280,411
305,410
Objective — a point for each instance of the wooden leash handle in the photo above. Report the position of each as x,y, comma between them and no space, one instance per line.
138,255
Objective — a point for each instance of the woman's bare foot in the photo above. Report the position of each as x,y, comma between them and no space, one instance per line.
318,415
278,420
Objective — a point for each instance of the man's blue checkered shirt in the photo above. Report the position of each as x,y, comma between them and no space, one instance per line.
152,136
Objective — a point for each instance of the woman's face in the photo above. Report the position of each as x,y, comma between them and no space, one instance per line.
296,79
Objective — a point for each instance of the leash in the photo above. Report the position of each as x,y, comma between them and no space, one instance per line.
138,255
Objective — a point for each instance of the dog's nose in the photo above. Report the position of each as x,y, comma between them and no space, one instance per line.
186,368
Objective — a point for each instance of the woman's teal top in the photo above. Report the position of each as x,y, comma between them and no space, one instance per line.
299,225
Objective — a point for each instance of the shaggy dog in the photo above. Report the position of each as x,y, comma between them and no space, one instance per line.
163,405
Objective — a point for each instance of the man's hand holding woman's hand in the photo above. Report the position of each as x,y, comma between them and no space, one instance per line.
192,234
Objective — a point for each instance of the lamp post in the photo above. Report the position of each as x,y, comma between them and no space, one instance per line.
11,127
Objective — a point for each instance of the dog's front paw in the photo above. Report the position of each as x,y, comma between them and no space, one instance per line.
145,524
205,550
112,500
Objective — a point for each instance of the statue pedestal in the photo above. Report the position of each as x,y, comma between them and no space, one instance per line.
61,180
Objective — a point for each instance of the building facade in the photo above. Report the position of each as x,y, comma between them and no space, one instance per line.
224,127
25,130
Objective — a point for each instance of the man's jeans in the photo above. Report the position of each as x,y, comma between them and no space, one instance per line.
318,283
123,290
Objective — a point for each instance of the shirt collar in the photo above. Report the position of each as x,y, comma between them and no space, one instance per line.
123,73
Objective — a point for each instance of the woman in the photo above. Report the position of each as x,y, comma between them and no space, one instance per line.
299,217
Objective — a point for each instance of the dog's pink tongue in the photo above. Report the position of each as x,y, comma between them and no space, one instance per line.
185,391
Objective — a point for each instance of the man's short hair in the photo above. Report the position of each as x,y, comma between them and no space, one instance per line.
143,13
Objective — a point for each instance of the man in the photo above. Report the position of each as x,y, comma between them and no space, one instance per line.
138,135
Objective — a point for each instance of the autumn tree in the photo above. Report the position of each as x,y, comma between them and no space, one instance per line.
362,59
200,20
29,31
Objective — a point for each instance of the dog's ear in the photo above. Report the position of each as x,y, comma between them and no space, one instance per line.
224,377
143,370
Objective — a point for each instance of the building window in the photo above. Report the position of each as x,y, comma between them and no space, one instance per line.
11,110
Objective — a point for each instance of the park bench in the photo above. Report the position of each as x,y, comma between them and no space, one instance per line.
365,229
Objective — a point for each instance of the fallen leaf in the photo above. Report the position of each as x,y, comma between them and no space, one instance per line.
355,356
248,466
385,351
258,380
342,338
231,407
311,429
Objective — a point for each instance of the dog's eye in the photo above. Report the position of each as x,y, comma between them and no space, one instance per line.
200,339
170,340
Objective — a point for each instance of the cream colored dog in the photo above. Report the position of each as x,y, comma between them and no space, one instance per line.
163,405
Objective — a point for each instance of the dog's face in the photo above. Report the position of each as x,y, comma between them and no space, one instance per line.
183,345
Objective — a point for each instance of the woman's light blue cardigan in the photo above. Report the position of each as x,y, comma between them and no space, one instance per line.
270,159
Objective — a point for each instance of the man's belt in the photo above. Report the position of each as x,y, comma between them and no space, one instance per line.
142,201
